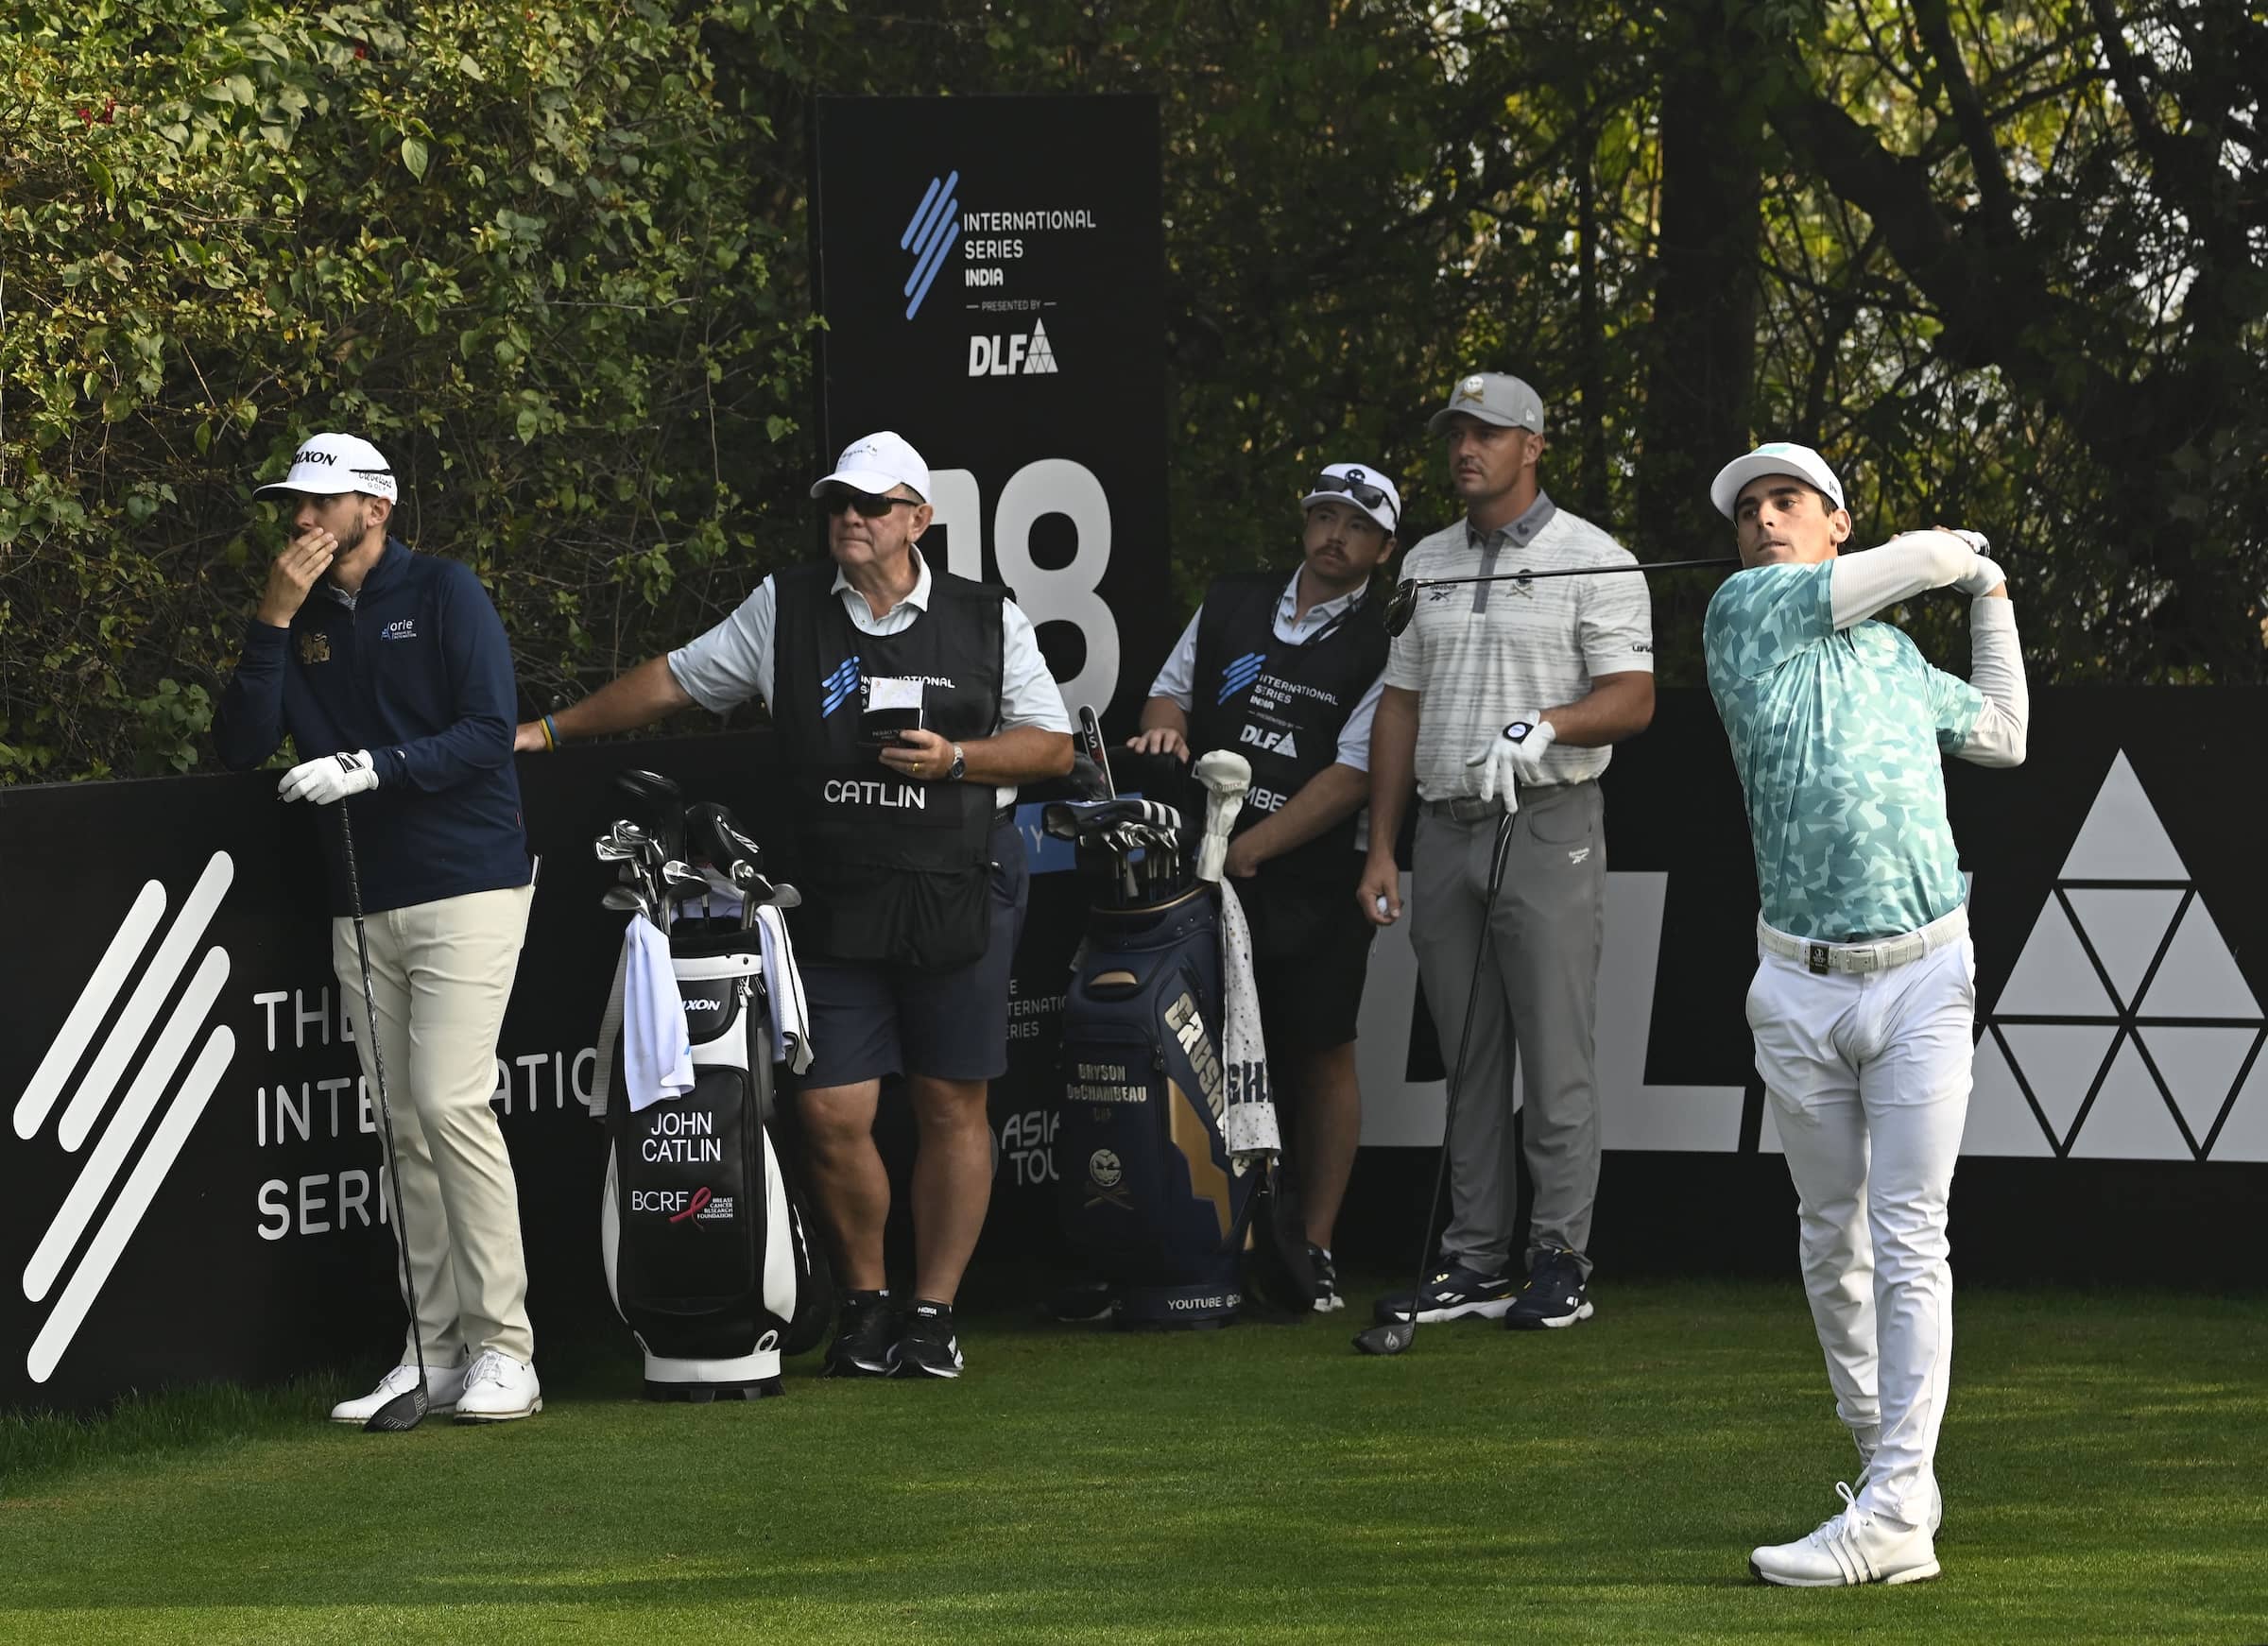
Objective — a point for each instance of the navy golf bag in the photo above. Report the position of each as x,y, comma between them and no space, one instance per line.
1145,1188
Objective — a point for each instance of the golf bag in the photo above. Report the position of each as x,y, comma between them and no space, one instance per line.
706,1250
1146,1190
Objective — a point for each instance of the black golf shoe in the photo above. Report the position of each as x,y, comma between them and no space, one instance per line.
929,1348
1556,1294
1326,1281
1081,1303
1454,1294
865,1337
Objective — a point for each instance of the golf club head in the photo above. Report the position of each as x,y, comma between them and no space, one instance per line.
623,901
1386,1340
403,1412
1401,606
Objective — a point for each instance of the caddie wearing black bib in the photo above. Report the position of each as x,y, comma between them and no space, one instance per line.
1287,675
909,703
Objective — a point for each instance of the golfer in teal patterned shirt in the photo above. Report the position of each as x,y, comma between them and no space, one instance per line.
1865,999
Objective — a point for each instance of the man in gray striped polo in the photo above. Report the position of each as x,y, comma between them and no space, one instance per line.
1568,664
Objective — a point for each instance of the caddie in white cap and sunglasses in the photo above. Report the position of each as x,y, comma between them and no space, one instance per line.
908,855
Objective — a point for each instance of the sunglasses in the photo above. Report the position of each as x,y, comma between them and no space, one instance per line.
837,498
1361,491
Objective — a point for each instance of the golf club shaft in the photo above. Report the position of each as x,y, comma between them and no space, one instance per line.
1577,572
385,1108
1457,1082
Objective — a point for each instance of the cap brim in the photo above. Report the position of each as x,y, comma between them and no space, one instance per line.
865,480
1383,523
1725,490
1440,421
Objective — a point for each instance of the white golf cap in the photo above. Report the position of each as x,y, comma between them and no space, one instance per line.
1494,397
876,463
1387,511
326,465
1773,457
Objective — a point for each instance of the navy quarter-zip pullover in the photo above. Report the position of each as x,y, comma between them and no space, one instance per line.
416,671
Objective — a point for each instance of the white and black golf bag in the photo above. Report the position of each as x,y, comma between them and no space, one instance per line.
706,1252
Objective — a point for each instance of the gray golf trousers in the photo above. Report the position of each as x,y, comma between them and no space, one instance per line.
1538,997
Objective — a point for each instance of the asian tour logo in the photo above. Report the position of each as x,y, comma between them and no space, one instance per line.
124,1007
930,234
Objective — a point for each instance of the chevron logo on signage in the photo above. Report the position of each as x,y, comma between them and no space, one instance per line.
2126,1031
114,1015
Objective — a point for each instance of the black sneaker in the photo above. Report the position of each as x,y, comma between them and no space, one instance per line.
865,1337
929,1348
1556,1294
1327,1279
1451,1295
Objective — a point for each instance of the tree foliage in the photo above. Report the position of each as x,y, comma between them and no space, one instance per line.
2000,258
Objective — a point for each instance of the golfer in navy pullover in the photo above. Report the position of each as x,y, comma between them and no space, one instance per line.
389,672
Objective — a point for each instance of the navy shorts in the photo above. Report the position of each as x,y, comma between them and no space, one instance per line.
870,1020
1311,949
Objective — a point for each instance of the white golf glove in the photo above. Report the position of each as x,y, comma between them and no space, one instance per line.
1514,756
331,778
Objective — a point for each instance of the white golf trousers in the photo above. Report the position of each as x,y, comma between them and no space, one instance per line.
442,972
1868,1078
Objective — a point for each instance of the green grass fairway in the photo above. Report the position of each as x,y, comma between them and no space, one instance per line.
2105,1464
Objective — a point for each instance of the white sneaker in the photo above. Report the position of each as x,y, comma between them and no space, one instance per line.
498,1389
442,1384
1852,1548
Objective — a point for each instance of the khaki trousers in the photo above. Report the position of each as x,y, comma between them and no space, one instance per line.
442,972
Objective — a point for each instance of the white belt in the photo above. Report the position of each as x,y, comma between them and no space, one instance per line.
1880,955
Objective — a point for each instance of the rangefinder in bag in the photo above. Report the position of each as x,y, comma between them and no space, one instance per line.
1147,1190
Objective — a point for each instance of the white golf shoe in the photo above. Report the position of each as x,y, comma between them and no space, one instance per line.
498,1389
1852,1548
442,1385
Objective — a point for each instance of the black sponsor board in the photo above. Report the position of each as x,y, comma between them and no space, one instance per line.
191,1193
992,271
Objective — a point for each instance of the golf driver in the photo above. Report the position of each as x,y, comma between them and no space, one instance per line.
1393,1336
407,1410
1402,603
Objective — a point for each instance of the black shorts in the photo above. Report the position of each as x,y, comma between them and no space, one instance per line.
870,1018
1311,949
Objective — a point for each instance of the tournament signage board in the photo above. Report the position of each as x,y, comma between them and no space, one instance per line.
992,275
188,1170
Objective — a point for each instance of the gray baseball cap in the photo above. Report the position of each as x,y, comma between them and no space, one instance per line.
1494,397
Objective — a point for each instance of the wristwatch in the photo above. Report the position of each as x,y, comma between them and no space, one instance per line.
959,768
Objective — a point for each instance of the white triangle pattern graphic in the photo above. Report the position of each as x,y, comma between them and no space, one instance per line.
1041,357
2123,839
2052,976
2200,1067
1999,1121
2199,977
2244,1134
2129,1120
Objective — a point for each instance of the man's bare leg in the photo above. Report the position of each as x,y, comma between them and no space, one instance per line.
1330,1105
849,1179
952,1180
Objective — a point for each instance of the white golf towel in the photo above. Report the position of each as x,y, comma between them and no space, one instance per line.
656,1048
1249,1116
783,983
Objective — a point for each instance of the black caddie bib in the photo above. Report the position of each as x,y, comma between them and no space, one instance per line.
1282,706
891,869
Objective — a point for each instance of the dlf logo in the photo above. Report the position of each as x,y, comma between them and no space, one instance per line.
930,234
97,1199
1012,356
